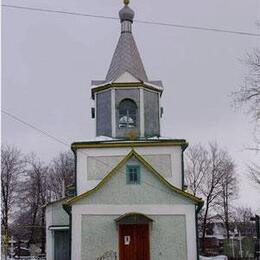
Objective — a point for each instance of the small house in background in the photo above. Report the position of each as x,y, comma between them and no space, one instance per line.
130,195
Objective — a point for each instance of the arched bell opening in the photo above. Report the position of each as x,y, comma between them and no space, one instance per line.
127,114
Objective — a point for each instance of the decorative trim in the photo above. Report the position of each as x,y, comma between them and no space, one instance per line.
119,143
148,166
124,85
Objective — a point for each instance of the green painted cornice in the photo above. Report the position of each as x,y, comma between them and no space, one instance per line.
131,144
123,86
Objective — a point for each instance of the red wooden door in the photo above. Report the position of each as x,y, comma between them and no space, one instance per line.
134,242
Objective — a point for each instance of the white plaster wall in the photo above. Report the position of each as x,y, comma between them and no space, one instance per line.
78,211
84,184
100,166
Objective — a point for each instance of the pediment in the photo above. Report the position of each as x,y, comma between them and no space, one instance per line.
153,187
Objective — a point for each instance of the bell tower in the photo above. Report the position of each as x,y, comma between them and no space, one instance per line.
127,104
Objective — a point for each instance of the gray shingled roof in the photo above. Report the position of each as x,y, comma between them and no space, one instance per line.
126,58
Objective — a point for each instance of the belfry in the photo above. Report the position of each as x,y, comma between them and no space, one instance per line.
130,201
126,101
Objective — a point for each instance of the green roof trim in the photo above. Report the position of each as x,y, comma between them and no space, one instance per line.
133,153
131,144
124,85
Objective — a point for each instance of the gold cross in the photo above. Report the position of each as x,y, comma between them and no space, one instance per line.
126,2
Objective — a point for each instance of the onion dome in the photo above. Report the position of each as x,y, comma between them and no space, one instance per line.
126,57
126,14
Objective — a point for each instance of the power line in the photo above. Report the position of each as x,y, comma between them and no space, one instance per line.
66,144
33,127
180,26
199,28
60,12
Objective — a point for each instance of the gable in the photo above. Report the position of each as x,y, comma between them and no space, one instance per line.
126,77
153,188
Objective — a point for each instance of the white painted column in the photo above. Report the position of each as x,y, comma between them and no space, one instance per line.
113,112
96,119
141,112
159,103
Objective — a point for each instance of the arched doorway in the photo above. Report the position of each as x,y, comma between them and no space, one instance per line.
134,239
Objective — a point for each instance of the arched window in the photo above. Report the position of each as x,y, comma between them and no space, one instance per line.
127,113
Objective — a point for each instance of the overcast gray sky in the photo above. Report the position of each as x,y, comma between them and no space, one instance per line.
49,59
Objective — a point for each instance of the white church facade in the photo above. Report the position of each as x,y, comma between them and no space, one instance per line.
130,199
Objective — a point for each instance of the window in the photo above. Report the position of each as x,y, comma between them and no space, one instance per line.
133,174
127,113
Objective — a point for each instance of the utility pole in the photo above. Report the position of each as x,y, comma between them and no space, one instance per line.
256,219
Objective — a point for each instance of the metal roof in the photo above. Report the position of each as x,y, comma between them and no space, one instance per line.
126,58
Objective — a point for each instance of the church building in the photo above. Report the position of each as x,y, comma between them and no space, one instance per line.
130,201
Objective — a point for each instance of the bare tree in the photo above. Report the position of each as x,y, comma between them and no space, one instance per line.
229,190
254,174
12,166
33,196
208,171
61,174
242,216
30,184
249,92
248,95
197,161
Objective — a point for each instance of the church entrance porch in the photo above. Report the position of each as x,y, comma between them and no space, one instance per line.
134,242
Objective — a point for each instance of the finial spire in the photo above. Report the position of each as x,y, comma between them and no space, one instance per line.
126,15
126,57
